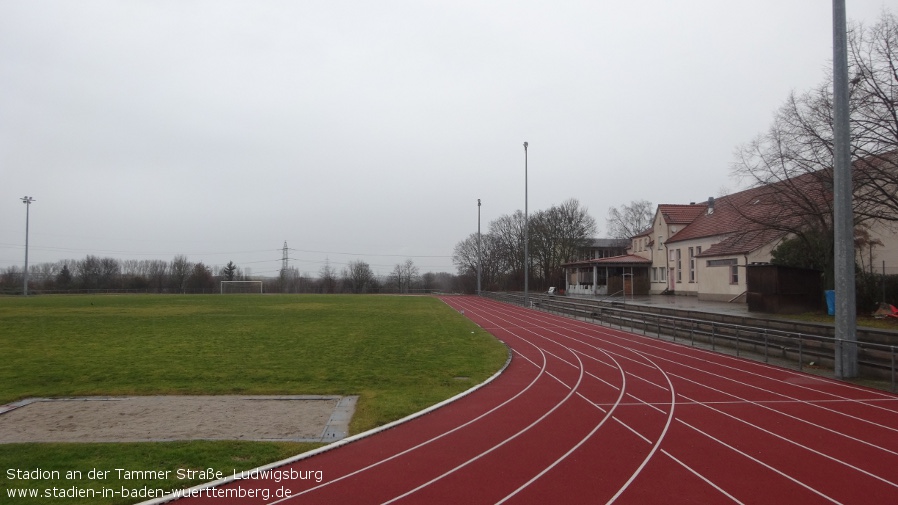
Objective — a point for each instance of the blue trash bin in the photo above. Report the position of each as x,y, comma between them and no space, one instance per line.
831,302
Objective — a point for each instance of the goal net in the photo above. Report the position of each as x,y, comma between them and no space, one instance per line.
231,287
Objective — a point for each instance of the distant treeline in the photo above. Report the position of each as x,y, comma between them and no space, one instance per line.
94,273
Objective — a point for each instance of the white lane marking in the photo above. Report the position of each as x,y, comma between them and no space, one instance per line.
602,331
495,447
654,343
581,442
793,442
764,405
765,465
657,444
700,476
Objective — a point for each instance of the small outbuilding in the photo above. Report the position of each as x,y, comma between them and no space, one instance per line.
776,289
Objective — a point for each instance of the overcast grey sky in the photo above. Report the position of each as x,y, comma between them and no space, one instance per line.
368,129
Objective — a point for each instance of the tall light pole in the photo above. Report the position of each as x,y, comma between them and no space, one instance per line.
846,365
27,201
526,236
479,257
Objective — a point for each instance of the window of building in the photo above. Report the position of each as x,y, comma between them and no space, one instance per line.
660,241
691,264
732,264
679,256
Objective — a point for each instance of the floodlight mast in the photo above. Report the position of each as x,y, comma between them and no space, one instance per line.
846,356
526,235
479,257
27,201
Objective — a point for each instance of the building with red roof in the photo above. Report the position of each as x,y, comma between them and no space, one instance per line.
702,249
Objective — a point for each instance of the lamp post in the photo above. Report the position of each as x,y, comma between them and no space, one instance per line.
27,201
526,236
479,257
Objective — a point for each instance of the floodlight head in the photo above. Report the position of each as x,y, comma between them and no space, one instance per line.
27,199
525,146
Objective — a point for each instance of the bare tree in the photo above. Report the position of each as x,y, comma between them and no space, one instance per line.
89,272
557,235
327,277
407,275
404,276
873,60
157,271
412,274
790,165
12,277
44,274
465,258
180,271
630,220
200,279
358,277
799,143
508,234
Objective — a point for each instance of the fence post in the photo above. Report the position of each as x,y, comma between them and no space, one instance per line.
712,337
766,359
893,368
800,353
737,341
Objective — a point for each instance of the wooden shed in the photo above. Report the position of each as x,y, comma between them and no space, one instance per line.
777,289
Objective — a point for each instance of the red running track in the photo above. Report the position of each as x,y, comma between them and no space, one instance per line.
588,414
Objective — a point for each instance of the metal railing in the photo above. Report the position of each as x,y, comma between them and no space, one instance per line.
801,350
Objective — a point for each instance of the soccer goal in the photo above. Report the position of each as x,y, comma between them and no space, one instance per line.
231,287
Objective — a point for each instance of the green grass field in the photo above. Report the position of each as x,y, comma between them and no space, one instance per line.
399,354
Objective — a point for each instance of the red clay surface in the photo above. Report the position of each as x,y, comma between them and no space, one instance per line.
588,414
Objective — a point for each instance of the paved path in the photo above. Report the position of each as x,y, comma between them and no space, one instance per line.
587,414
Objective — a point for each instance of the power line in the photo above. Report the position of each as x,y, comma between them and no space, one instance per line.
371,254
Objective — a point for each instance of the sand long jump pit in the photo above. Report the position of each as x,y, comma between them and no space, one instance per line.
296,418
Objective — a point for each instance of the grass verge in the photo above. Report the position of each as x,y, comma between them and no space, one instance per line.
399,354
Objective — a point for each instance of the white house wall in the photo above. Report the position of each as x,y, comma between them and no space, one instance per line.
888,252
716,281
679,273
659,271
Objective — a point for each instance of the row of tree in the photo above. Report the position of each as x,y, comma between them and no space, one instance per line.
104,273
358,277
556,235
94,273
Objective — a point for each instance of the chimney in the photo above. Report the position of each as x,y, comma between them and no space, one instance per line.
710,205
